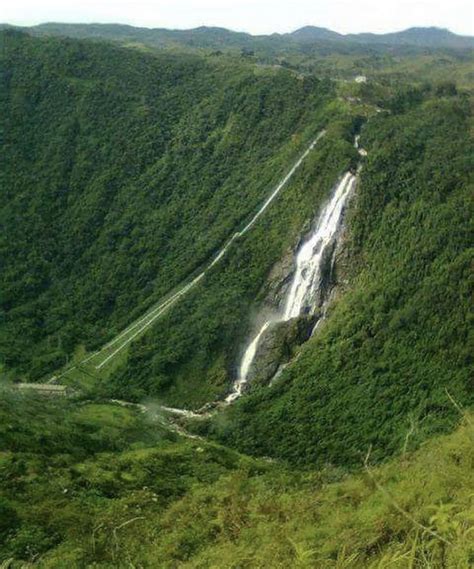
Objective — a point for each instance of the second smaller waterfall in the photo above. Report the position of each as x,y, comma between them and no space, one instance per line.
247,360
306,280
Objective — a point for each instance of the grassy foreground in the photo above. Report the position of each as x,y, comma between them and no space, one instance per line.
97,485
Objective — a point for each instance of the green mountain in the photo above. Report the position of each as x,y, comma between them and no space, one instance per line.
127,171
214,37
313,33
163,201
415,55
401,335
422,37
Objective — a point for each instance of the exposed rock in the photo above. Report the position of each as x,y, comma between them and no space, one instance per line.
343,263
278,343
326,277
277,346
279,279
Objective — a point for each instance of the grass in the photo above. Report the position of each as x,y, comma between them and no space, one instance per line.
102,414
415,511
140,497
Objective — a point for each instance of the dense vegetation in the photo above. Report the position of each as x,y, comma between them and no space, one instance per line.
122,172
221,38
97,485
402,335
415,55
201,338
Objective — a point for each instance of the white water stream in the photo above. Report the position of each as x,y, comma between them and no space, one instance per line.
306,280
304,286
101,357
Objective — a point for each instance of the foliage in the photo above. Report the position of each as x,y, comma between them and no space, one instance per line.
188,503
123,172
201,338
402,334
414,55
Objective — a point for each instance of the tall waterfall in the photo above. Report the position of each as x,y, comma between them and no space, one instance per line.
306,280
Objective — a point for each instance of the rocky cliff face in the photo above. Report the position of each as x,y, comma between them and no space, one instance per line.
279,342
277,346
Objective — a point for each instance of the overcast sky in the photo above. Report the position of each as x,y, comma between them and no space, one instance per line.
255,16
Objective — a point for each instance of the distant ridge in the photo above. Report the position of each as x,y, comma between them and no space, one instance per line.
312,33
424,37
216,37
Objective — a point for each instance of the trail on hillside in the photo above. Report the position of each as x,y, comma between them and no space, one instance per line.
304,286
306,281
302,293
107,353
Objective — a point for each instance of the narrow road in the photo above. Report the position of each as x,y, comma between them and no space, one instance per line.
107,353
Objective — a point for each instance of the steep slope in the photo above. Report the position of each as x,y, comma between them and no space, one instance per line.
200,340
123,173
402,334
100,485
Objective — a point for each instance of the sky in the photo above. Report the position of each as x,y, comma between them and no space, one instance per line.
254,16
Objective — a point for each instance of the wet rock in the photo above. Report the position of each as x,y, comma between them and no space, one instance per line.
277,347
326,281
343,264
279,279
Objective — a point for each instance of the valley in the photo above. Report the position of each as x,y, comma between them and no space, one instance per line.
253,272
101,357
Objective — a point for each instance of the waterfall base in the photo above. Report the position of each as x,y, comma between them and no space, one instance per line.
277,346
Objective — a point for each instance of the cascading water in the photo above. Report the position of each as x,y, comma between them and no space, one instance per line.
309,259
247,360
306,280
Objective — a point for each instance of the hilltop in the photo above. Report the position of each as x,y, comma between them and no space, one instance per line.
214,37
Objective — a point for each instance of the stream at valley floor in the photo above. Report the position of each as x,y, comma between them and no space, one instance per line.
303,296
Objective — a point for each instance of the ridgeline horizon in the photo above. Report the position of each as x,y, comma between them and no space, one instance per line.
422,36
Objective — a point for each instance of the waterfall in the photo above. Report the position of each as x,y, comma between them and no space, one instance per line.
306,280
309,259
247,360
101,357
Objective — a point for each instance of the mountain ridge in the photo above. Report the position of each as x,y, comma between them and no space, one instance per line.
419,36
130,170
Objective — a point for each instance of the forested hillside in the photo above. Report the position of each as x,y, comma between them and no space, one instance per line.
123,172
222,38
415,55
201,339
401,338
